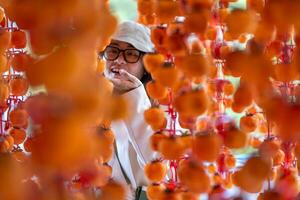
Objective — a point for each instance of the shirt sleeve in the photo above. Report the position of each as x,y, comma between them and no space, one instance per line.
139,131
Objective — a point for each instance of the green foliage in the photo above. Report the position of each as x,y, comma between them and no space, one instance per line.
124,9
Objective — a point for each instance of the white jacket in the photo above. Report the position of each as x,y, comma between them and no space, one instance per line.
132,140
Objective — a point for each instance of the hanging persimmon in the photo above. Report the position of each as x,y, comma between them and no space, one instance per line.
207,146
193,177
167,75
248,123
155,117
155,171
18,135
171,148
153,62
156,90
193,65
155,191
18,86
192,103
18,118
235,138
166,10
155,139
18,39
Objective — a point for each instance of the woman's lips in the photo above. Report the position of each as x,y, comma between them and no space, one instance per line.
115,73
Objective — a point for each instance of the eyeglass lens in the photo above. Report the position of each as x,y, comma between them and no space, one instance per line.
130,55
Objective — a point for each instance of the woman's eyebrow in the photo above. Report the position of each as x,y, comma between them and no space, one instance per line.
129,45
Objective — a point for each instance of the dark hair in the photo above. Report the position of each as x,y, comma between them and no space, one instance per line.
146,75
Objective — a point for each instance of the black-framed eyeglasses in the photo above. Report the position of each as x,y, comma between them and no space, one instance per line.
130,55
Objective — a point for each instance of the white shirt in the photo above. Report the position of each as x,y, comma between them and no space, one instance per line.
132,140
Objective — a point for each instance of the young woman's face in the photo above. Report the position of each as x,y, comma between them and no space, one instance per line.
112,66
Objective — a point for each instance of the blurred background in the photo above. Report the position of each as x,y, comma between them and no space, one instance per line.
127,9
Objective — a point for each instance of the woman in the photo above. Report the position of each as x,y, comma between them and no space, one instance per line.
124,68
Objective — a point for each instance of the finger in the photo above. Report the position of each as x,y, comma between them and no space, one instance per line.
129,76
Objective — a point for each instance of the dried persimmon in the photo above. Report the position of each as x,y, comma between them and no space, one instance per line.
248,123
155,171
18,118
155,117
155,90
18,86
18,135
207,146
193,177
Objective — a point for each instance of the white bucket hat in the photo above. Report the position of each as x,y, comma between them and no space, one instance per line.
135,34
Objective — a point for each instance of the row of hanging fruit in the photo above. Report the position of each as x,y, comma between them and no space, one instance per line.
202,48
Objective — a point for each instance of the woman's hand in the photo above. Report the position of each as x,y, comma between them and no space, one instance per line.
125,82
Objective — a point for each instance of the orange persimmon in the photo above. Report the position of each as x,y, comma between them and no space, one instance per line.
18,118
193,177
155,191
153,61
230,161
10,141
192,103
197,22
207,146
18,135
18,86
166,10
155,117
21,61
193,65
28,144
145,7
158,37
4,146
235,138
18,39
156,90
246,24
167,75
269,148
155,140
155,171
171,148
187,122
248,123
255,142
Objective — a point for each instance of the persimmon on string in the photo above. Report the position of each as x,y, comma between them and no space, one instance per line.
155,171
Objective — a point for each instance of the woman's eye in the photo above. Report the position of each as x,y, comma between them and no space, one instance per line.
113,51
132,53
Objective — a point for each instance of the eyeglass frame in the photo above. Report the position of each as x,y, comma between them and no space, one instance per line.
102,54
